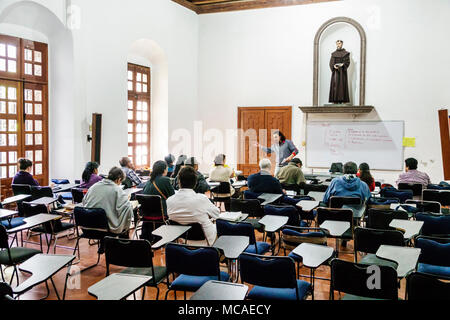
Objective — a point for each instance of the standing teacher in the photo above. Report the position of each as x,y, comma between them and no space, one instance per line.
284,149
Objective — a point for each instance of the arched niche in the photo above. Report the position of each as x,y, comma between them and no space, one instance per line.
362,63
30,20
149,53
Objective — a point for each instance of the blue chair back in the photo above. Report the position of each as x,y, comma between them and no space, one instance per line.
434,225
225,228
192,260
266,271
287,211
434,251
391,192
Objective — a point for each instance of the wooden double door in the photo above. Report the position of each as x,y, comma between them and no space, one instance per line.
257,124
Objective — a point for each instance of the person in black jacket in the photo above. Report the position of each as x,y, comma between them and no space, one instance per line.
263,181
202,185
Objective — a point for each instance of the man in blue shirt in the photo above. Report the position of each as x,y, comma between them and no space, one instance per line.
263,181
348,185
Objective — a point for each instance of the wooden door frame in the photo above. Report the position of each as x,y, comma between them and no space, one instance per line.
260,108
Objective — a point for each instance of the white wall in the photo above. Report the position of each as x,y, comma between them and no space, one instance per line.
102,39
265,58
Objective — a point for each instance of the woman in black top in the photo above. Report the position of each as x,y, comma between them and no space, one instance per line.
158,185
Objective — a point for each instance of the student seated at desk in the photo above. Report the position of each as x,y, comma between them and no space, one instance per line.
263,181
187,207
202,185
180,163
159,184
108,195
169,159
365,175
131,178
221,173
90,175
349,185
412,175
292,174
23,176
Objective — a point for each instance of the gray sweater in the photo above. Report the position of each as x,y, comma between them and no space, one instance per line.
110,197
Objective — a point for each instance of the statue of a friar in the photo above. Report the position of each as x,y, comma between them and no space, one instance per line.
339,63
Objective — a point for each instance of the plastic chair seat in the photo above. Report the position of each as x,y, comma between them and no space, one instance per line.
18,255
262,247
433,269
267,293
15,222
192,283
160,273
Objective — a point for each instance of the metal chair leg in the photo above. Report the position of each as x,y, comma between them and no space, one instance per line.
54,287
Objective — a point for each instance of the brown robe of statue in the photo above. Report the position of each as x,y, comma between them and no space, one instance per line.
339,79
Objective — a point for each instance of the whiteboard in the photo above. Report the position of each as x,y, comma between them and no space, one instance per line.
379,143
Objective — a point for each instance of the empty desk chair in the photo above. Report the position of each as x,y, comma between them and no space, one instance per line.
225,228
381,203
193,265
324,214
435,256
273,278
54,228
41,192
380,219
93,224
137,257
368,241
421,286
416,188
434,225
292,237
252,207
287,211
339,202
352,278
12,256
222,194
426,206
391,192
195,233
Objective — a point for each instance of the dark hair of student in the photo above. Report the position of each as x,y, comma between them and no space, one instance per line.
158,170
219,160
365,174
24,164
350,168
187,178
116,173
411,163
179,164
89,170
169,159
281,135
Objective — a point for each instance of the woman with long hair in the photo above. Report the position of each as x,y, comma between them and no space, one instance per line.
158,185
365,175
284,149
90,175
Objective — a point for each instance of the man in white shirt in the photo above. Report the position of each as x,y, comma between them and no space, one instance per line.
187,207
